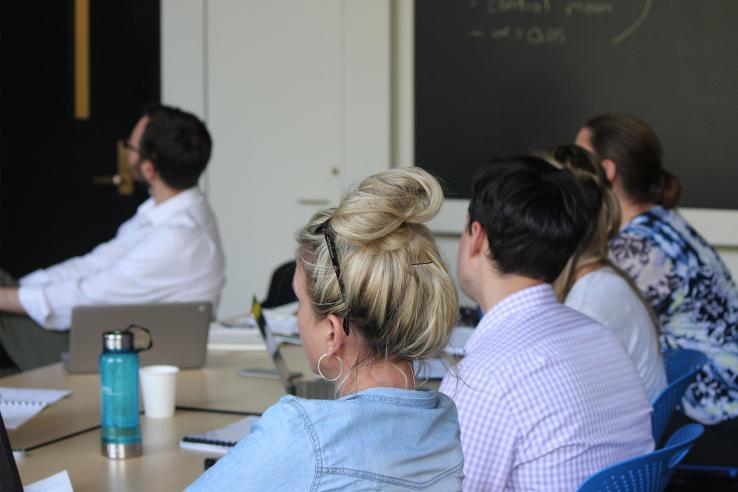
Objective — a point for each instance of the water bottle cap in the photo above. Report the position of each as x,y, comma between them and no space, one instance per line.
117,341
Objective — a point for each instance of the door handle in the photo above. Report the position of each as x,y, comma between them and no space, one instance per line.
123,180
113,180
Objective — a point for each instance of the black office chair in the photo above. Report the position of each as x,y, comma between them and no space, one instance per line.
280,288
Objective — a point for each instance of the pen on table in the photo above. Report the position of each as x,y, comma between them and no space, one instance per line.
19,453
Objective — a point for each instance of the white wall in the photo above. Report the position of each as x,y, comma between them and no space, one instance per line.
183,64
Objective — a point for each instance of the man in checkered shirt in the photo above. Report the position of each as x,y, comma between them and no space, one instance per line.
546,396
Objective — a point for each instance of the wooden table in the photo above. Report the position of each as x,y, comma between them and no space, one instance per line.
162,467
217,386
66,435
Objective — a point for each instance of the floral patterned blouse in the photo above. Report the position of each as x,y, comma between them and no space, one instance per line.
695,300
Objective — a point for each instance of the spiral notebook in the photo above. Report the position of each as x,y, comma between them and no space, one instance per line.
18,405
219,440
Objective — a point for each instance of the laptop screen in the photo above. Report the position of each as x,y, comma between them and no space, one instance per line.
272,348
9,477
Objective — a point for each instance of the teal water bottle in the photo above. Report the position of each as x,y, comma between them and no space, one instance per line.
121,426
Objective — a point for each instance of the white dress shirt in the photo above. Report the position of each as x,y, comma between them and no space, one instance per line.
606,297
169,252
546,398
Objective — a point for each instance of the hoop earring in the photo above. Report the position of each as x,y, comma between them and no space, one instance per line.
340,361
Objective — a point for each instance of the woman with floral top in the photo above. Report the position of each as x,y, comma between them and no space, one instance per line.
689,287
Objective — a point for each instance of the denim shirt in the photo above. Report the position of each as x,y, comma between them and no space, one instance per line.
380,439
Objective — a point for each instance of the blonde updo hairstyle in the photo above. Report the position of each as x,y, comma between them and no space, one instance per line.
397,292
599,201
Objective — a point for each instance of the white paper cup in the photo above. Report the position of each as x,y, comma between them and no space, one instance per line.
158,386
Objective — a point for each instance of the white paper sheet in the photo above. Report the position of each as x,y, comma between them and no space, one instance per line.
47,396
19,405
283,319
56,483
459,337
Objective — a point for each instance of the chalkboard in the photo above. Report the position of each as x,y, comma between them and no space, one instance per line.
503,77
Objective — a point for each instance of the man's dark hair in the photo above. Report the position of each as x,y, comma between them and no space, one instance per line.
177,143
532,213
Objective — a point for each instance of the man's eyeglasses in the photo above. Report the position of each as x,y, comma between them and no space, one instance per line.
330,242
128,146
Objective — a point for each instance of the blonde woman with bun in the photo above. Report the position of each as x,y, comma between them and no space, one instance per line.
374,296
593,285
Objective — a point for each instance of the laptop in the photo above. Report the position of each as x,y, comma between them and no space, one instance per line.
316,389
9,477
179,332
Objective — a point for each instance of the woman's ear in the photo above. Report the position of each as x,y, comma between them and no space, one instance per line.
335,336
611,170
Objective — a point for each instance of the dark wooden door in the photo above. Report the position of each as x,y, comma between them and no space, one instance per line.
54,200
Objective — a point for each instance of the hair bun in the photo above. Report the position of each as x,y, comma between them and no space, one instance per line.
386,202
666,189
393,285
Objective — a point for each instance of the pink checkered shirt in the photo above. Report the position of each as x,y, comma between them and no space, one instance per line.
546,397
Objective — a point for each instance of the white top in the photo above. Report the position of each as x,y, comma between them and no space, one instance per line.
169,252
605,296
546,398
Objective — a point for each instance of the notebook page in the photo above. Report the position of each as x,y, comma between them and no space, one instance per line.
47,396
17,413
18,405
219,440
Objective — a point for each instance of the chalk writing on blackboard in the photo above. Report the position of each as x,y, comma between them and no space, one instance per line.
537,12
588,8
634,27
519,6
533,35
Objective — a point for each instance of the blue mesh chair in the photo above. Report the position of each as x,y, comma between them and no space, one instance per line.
649,472
677,364
667,401
680,362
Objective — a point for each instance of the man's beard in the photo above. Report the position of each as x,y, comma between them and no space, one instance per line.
136,173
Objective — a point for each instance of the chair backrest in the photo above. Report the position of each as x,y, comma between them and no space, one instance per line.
680,362
667,401
649,472
280,287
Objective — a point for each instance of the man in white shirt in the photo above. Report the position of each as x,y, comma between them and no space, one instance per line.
168,252
546,396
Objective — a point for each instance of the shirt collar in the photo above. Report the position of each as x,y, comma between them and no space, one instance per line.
157,214
515,303
657,211
421,397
